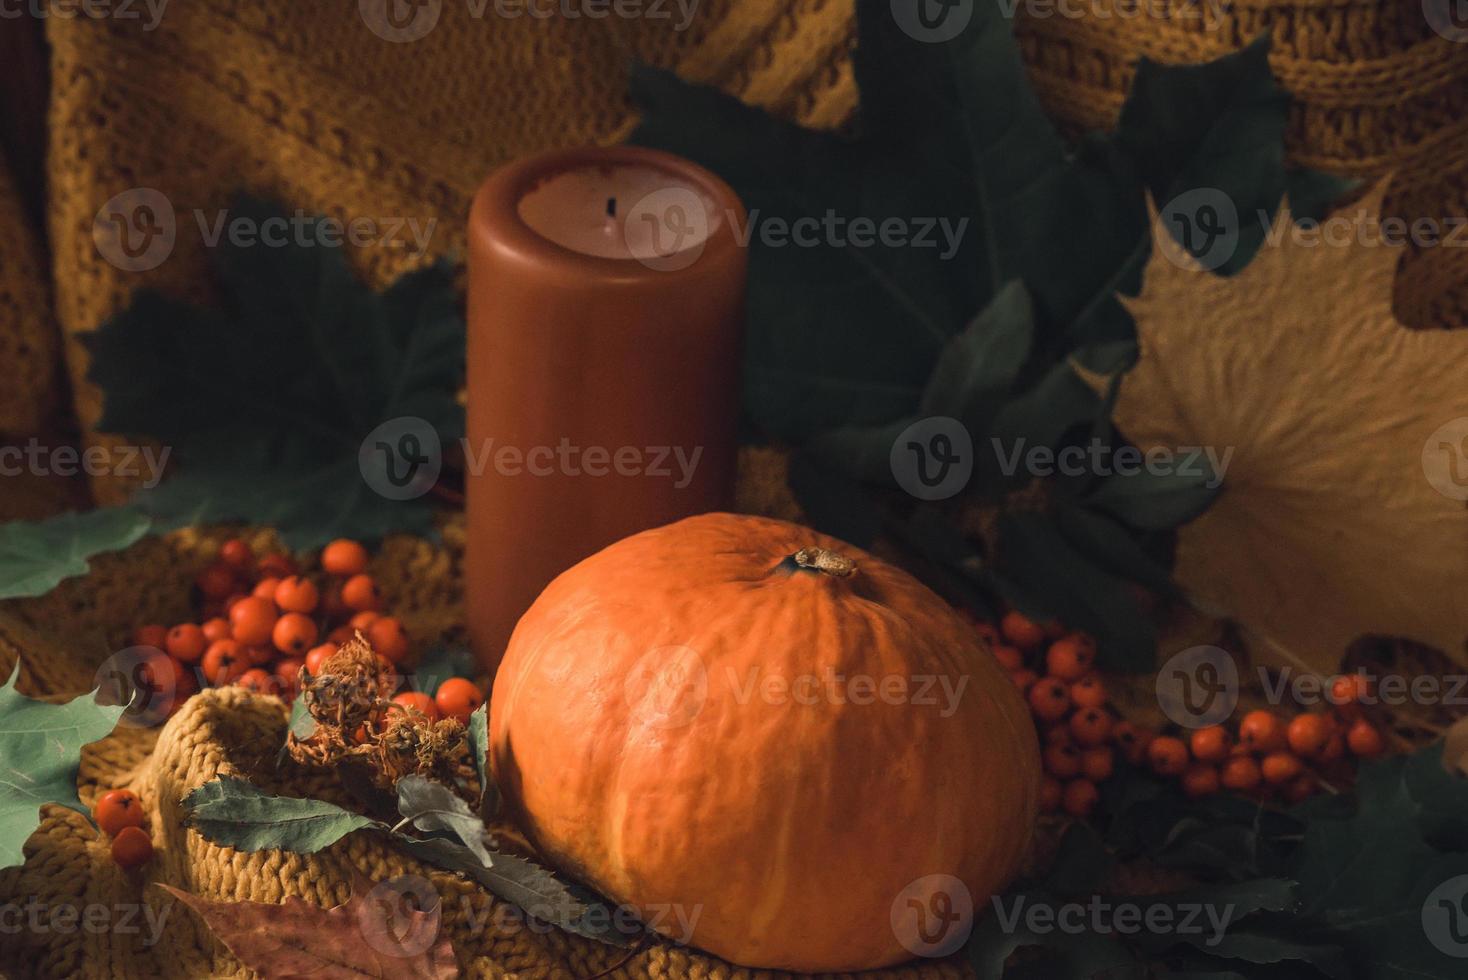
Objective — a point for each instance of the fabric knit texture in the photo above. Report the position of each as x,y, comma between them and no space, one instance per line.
316,105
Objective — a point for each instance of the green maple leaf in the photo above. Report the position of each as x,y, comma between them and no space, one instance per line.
40,752
37,555
268,398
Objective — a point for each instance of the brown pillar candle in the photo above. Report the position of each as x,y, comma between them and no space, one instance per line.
606,292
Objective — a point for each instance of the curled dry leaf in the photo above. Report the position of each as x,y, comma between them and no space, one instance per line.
1343,507
379,933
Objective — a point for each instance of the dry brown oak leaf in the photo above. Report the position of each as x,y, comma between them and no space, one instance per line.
1343,505
377,934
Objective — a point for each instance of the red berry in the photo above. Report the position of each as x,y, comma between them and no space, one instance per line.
360,593
1020,630
1210,744
294,634
237,554
259,681
458,698
389,639
1168,755
223,662
277,565
344,558
317,656
1262,732
1049,699
187,642
1009,658
117,809
265,588
1240,773
1069,660
1348,691
341,636
1090,726
296,594
1200,780
364,620
1062,761
216,581
1080,797
1307,735
422,702
252,620
153,635
132,848
216,629
1364,740
1279,768
1088,692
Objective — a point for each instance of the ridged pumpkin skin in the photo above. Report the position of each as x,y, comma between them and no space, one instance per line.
640,736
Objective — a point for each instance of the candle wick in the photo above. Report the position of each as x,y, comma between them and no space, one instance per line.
611,207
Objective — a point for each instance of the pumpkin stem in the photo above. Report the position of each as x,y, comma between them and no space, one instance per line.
821,560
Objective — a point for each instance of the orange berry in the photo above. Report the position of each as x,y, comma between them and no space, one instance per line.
1364,740
153,635
1050,794
1349,690
259,681
1307,735
1079,797
1020,630
237,554
360,593
258,656
1090,726
458,698
1132,740
277,565
1167,755
422,702
117,809
1098,763
1279,768
1200,780
297,595
1088,692
132,848
1058,734
1334,750
1009,657
228,604
216,581
344,558
1301,788
1024,679
1069,660
363,620
1062,761
341,636
223,662
216,629
1240,773
252,620
1210,744
294,634
1261,732
288,670
265,588
317,656
389,639
187,642
1049,699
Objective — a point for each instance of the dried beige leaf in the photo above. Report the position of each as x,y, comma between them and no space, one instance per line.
1343,508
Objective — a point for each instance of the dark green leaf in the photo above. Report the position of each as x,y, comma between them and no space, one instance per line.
238,814
489,799
1158,500
433,807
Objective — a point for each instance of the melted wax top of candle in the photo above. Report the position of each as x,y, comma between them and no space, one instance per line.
622,211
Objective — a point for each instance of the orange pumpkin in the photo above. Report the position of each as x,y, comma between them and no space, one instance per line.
771,744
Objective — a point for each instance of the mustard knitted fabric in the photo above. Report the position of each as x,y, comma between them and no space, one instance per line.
29,339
